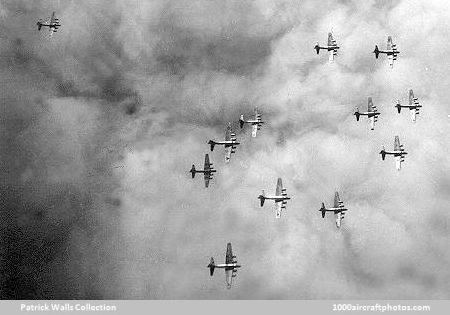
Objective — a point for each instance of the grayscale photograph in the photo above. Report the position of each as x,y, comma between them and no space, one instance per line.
224,150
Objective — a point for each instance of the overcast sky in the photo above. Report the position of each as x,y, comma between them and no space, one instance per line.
100,124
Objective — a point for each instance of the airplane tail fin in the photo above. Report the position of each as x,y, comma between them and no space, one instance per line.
356,113
383,153
399,108
376,51
317,48
241,121
193,171
39,25
323,210
211,267
262,198
212,144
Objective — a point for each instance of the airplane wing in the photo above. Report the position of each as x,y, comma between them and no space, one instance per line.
207,165
279,204
229,255
278,208
398,162
390,48
369,104
228,154
331,55
413,101
371,108
391,60
53,19
336,200
206,176
372,122
413,112
411,97
229,277
228,133
279,187
255,127
396,144
254,130
339,216
389,43
52,28
257,115
331,41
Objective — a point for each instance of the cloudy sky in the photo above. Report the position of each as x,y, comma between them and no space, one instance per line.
100,124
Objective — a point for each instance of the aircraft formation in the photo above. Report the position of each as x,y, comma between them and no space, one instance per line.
280,197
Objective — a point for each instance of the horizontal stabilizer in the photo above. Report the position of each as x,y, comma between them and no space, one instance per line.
241,121
211,266
262,198
212,144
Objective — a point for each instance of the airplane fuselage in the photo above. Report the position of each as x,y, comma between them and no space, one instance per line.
254,122
409,106
395,153
388,52
228,266
370,114
328,47
50,25
226,143
277,198
336,209
203,171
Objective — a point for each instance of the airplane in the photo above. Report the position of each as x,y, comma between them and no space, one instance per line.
230,143
332,47
391,51
399,153
52,24
413,105
372,113
230,266
338,209
207,170
280,198
256,123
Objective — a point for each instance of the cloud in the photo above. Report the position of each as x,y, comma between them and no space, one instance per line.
101,123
